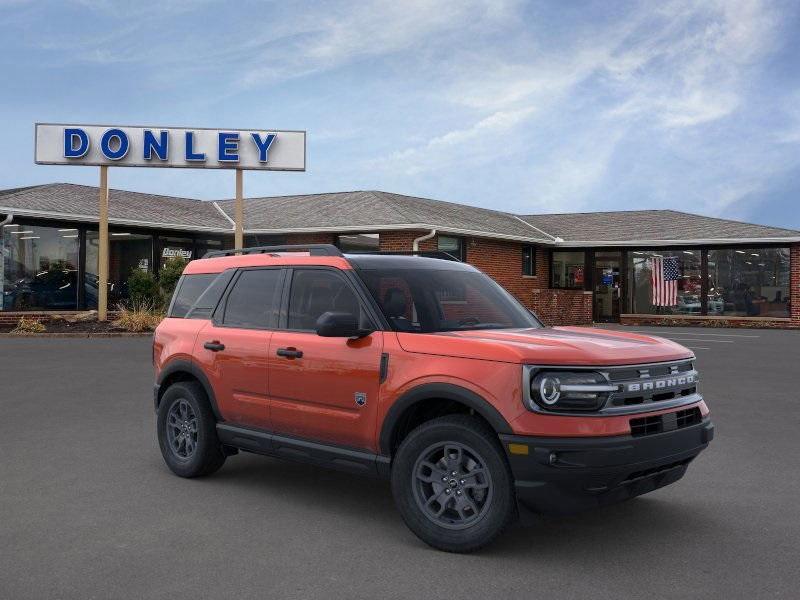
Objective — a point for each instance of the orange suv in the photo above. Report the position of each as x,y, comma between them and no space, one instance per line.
423,371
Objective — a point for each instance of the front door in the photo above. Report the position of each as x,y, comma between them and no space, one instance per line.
320,388
607,286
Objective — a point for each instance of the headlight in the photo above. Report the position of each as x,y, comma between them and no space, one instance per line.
569,390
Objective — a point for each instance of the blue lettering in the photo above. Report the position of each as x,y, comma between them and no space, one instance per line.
70,137
122,144
228,147
190,153
263,145
159,146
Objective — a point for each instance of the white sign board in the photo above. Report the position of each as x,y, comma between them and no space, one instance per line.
182,147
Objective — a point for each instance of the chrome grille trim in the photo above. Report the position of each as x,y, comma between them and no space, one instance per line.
623,401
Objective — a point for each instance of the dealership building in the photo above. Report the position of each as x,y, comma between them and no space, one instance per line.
649,266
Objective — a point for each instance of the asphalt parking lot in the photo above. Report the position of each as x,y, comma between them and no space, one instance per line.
88,509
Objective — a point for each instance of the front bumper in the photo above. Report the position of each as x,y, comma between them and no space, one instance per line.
567,475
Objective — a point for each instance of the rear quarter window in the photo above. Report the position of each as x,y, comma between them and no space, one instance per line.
188,290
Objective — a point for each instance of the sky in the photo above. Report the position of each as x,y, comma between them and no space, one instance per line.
529,107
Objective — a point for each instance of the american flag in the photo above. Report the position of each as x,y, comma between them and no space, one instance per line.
664,277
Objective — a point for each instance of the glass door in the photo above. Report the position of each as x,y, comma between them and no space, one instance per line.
607,286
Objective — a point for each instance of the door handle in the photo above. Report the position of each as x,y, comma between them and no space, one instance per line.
214,346
290,352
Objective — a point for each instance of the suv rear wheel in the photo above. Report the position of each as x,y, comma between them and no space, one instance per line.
452,484
187,432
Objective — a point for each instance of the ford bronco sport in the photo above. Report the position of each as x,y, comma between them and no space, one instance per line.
423,371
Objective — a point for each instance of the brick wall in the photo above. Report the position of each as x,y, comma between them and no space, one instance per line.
502,261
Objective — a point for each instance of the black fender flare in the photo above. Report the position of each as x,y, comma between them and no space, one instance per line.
185,366
444,391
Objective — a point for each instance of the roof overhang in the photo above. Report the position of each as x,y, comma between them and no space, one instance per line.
686,242
114,221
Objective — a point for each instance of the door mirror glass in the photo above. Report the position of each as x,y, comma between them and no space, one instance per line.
339,324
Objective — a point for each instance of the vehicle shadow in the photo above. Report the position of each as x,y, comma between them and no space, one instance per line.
621,529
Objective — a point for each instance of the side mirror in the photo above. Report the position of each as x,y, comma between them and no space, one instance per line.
340,324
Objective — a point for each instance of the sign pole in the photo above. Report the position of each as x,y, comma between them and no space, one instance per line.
102,258
238,241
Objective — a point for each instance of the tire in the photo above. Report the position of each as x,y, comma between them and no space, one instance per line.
187,432
480,502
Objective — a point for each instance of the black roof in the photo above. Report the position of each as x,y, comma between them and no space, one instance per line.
369,262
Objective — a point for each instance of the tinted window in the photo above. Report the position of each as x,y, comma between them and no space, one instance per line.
428,301
188,291
529,260
318,291
253,300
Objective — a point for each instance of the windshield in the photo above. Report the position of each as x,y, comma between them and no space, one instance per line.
431,301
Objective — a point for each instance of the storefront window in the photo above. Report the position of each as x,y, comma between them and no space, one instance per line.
209,245
39,268
666,282
747,282
454,246
128,251
176,247
359,242
568,269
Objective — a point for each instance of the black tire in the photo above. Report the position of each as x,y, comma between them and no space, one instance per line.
206,455
420,484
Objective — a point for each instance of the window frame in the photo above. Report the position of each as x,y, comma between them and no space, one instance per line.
364,299
462,247
587,262
218,316
533,261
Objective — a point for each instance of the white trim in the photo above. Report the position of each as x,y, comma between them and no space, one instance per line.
94,219
404,227
554,238
687,242
224,214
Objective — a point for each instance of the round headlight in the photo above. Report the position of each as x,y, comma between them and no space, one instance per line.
570,390
549,389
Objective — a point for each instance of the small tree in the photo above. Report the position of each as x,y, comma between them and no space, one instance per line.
168,277
143,288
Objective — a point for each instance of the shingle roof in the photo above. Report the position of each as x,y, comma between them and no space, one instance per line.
364,211
70,201
651,225
374,210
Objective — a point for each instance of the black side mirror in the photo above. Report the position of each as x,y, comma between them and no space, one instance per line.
340,324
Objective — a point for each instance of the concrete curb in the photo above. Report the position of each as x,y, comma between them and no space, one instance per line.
120,334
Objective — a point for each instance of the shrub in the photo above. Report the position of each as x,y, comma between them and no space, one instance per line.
139,317
26,325
168,277
143,288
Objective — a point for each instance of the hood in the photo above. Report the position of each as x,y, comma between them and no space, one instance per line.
547,346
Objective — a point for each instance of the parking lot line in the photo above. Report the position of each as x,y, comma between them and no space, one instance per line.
736,335
697,348
699,340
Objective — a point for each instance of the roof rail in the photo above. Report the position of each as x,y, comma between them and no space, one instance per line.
312,249
441,254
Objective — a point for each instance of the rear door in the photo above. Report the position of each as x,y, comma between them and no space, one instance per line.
232,349
324,389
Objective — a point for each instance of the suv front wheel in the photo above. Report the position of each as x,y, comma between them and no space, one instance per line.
187,432
452,484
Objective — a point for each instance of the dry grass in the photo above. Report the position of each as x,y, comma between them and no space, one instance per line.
26,325
139,317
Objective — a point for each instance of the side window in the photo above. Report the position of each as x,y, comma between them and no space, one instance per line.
188,291
253,301
317,291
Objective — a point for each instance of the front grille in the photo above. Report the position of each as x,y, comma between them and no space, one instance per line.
656,383
666,422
